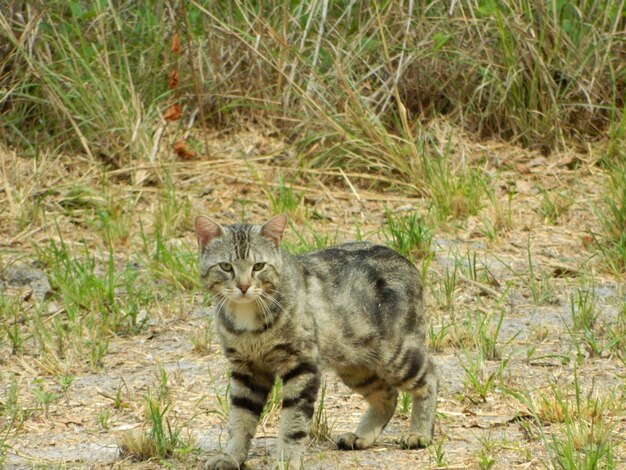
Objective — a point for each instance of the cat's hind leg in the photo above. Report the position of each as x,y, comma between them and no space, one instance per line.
423,390
382,399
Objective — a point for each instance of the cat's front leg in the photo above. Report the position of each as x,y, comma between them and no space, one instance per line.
248,394
300,385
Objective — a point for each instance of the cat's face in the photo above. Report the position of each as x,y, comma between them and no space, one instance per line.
240,264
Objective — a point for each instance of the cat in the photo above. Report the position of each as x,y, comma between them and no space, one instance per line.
355,308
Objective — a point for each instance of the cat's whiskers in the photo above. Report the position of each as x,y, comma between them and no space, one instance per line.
272,299
222,299
267,305
263,308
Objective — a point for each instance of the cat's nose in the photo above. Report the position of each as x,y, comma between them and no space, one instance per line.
243,288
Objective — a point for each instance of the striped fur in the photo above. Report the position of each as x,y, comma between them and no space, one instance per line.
355,308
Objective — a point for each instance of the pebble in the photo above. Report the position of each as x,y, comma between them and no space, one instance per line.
22,275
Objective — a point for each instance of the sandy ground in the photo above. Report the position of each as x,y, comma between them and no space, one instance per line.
534,339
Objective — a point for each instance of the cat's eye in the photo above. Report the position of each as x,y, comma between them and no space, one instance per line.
226,267
258,266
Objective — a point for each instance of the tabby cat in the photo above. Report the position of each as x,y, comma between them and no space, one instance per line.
355,308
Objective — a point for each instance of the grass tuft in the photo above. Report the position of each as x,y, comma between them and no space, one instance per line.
408,234
611,243
581,435
162,439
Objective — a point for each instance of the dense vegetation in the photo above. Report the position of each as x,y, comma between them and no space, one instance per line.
358,82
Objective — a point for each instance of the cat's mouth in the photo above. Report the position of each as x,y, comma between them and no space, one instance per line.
242,299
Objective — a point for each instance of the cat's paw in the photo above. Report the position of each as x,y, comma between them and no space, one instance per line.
350,441
414,441
221,462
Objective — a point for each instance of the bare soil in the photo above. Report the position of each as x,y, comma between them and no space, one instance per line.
534,339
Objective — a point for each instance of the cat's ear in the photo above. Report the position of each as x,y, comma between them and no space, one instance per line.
274,228
206,230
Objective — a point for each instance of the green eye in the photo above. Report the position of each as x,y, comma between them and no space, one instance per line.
226,267
258,266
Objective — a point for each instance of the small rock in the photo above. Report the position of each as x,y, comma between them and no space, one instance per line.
536,162
142,315
134,266
23,275
571,162
201,312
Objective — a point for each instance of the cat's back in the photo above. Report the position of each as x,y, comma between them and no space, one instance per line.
357,257
364,297
363,277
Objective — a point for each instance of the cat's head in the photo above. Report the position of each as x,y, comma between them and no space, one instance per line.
240,263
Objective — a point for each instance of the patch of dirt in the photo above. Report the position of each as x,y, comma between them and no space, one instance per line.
83,427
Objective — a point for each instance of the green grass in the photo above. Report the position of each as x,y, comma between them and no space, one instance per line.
306,237
583,309
12,316
455,192
104,420
283,198
91,88
91,290
165,436
485,457
65,381
162,437
611,242
13,411
540,284
437,335
103,296
483,331
554,205
408,234
479,382
487,338
321,429
170,261
405,402
449,282
474,269
589,335
44,398
438,454
272,406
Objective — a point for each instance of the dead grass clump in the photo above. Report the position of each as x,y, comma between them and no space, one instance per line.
460,336
138,444
162,436
554,406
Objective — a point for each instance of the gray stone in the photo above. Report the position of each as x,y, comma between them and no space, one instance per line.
23,275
